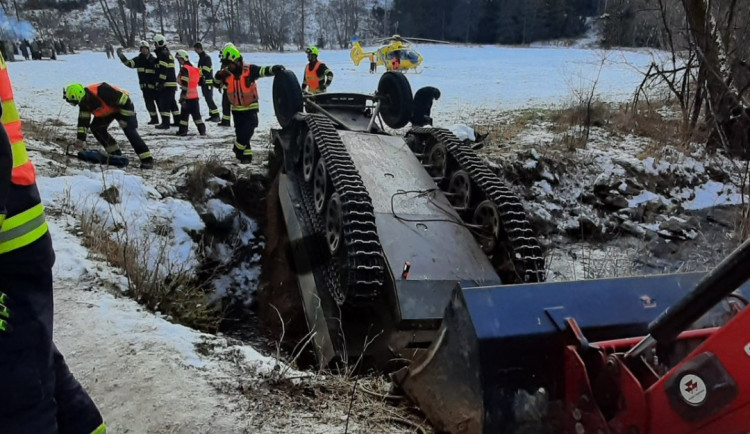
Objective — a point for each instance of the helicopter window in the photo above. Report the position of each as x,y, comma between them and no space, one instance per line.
409,55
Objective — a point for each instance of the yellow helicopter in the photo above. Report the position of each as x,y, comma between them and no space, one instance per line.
396,53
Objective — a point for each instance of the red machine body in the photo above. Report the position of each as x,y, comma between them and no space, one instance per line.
707,392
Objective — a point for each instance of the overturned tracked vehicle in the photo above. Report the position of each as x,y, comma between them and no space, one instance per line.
383,227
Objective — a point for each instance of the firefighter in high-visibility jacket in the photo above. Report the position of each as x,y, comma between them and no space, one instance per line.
189,79
107,103
145,63
207,87
242,91
226,106
166,84
38,393
316,77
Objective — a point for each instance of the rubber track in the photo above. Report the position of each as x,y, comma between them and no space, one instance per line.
526,251
364,266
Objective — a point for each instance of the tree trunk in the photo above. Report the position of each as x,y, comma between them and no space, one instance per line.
727,115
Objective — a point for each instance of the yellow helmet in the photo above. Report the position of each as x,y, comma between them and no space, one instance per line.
312,49
230,53
182,54
74,93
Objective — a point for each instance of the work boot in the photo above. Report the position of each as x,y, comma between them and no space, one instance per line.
202,129
163,126
245,159
215,118
147,163
154,121
182,132
224,123
117,153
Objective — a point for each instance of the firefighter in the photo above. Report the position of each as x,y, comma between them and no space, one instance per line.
225,104
316,77
166,83
373,64
242,91
38,393
145,64
396,62
189,79
207,88
107,103
422,107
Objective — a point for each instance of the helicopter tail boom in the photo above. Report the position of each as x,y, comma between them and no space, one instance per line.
358,54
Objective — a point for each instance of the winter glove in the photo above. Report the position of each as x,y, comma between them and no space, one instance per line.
4,314
277,69
323,87
80,144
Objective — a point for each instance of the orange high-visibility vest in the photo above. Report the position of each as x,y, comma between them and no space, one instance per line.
194,77
311,77
22,226
105,109
23,170
242,96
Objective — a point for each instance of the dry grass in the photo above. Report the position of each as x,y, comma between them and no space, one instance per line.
197,178
158,285
506,130
364,404
661,122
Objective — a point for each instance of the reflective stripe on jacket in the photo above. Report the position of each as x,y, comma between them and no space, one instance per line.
241,95
105,109
25,222
311,77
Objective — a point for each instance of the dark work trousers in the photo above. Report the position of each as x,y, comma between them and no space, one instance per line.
129,125
226,107
38,394
208,95
191,107
168,106
149,97
245,122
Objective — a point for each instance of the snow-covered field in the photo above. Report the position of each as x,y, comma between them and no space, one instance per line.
145,372
487,78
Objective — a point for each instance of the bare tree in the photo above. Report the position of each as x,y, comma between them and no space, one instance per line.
272,20
123,19
727,111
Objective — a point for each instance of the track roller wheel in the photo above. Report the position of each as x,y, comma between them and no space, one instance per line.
435,160
459,189
320,186
308,157
487,218
334,223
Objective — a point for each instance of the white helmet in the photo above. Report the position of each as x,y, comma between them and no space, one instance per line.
144,44
182,54
159,41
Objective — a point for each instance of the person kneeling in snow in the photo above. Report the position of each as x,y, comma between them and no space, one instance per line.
107,103
423,105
